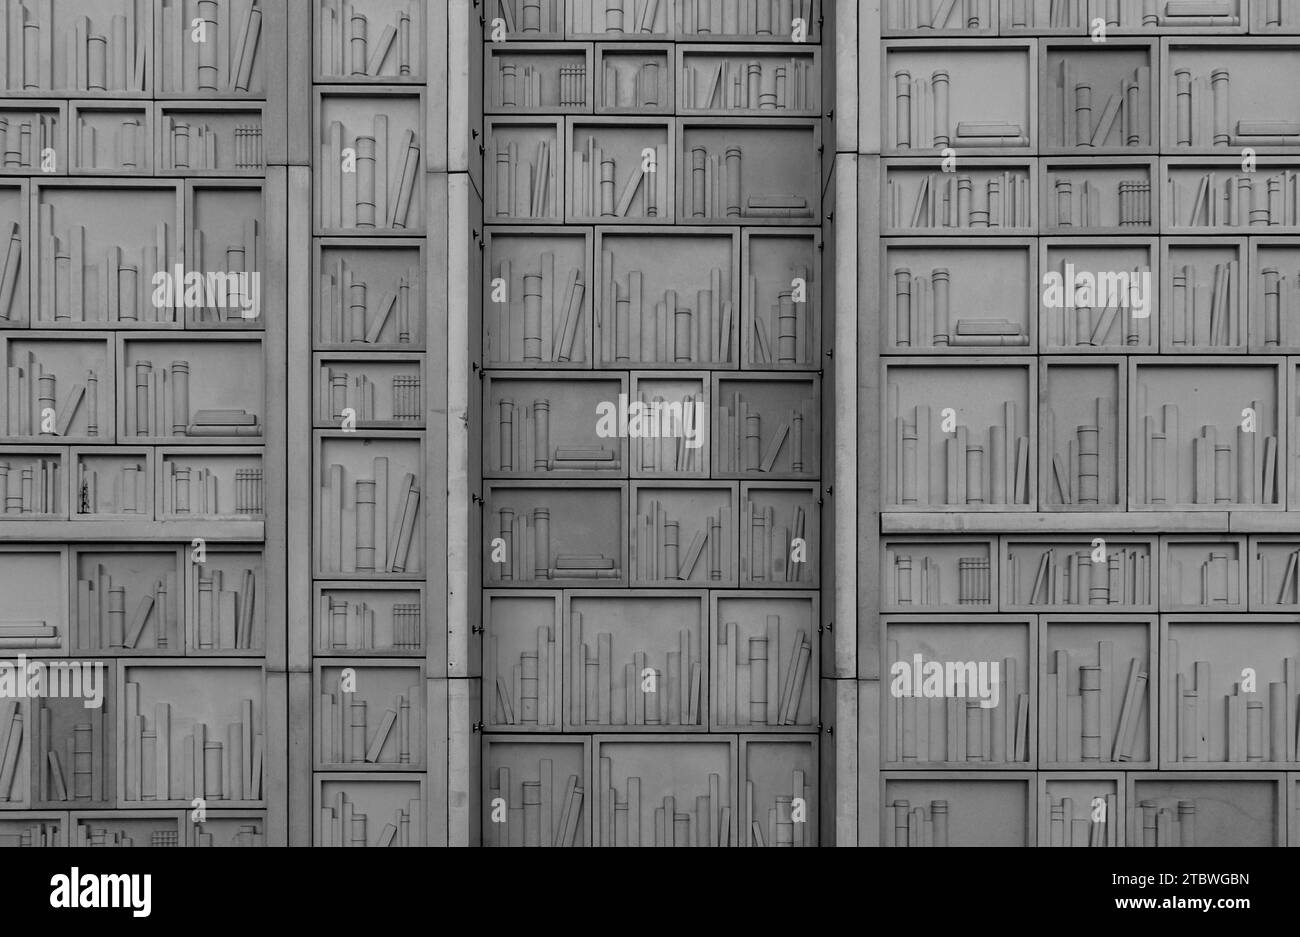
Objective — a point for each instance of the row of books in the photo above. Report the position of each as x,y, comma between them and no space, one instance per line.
217,618
788,334
127,490
533,316
671,436
30,489
750,684
788,819
533,811
1205,309
921,117
918,826
913,581
185,145
344,625
755,84
1096,314
636,694
193,489
11,730
349,313
584,17
776,552
716,187
536,87
949,200
1080,206
525,553
938,14
943,720
707,820
1086,727
923,317
536,16
636,88
342,825
345,735
372,185
593,173
43,833
13,261
1084,471
152,409
633,325
23,143
128,151
1215,581
1098,827
527,693
73,287
348,48
652,17
1241,468
234,294
522,443
189,145
102,609
340,392
1126,119
662,555
1070,577
527,811
365,526
1129,14
525,189
1243,471
743,17
1281,307
112,61
1288,590
960,731
201,765
995,471
1235,200
740,443
1167,826
1254,727
1203,120
69,765
224,62
89,835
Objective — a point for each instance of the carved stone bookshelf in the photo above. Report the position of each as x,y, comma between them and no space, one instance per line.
1078,808
960,296
987,197
1098,692
925,576
537,791
1221,808
923,729
934,96
950,450
1083,448
967,808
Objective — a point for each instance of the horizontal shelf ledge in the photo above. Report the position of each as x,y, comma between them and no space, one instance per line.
128,530
1100,522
